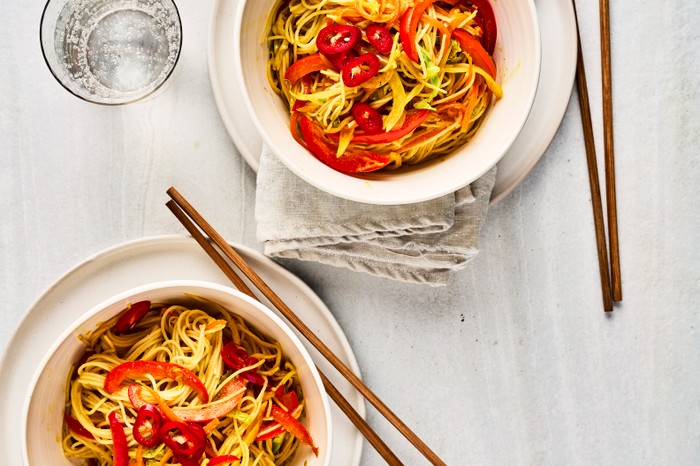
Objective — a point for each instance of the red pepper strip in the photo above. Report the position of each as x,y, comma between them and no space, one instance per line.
234,389
409,28
487,22
131,316
473,47
187,443
147,425
408,41
380,38
76,427
272,429
157,369
305,88
294,127
485,19
293,426
121,450
200,413
289,399
352,161
236,358
420,140
360,70
306,65
223,459
137,402
413,120
479,20
337,38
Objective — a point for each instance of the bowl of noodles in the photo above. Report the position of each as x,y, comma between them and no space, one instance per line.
178,372
387,101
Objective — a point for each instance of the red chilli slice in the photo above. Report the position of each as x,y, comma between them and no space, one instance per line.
380,38
147,426
187,442
339,60
361,69
337,38
367,118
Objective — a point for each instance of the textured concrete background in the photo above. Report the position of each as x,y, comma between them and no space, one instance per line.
514,362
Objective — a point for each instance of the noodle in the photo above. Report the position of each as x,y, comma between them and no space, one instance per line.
195,340
445,73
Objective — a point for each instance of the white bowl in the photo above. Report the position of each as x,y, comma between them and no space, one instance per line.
43,420
517,57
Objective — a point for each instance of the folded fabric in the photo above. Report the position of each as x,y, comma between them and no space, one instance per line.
419,243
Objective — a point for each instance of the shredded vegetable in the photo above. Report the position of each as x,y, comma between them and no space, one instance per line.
396,56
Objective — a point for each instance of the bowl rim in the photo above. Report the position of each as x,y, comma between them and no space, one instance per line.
367,188
167,284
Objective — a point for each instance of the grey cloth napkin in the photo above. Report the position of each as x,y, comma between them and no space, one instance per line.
420,243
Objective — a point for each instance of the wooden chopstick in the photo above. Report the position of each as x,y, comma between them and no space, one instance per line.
609,146
332,391
593,175
254,278
360,423
259,283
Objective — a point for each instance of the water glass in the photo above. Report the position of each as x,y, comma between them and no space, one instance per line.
111,51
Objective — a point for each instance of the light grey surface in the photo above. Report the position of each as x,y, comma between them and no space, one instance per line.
514,362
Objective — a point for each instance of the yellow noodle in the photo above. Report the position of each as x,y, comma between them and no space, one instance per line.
191,338
444,74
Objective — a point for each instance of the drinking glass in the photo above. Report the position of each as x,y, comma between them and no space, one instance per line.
111,51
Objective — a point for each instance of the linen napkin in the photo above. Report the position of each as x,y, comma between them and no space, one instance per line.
421,243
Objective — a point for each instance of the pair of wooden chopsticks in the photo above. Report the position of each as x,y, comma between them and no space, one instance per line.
194,222
610,278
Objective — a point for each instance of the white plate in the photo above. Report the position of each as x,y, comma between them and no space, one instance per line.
558,32
149,260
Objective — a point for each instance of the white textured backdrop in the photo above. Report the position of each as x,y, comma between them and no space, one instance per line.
513,363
